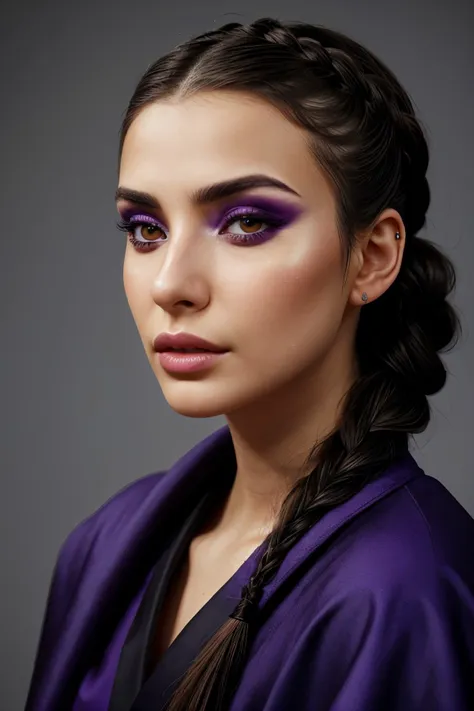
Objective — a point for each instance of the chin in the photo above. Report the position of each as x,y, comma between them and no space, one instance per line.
190,401
196,412
200,399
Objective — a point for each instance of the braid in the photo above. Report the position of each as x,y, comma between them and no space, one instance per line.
362,447
364,134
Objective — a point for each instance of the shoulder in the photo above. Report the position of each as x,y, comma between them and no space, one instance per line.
400,565
401,576
409,540
72,559
447,523
120,505
390,606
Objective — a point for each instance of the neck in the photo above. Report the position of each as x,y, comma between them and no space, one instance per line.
272,440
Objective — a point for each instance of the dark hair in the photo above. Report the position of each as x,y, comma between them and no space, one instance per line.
363,133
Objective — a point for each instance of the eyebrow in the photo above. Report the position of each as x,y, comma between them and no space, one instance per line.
210,193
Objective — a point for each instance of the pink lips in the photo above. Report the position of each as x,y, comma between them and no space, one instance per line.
178,361
168,341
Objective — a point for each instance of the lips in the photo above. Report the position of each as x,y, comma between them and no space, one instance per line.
184,342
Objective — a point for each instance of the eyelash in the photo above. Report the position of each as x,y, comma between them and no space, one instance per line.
128,226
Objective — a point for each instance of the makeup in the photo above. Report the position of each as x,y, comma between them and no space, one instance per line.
274,215
188,362
281,211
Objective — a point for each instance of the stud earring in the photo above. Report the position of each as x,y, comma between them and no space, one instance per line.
364,296
397,235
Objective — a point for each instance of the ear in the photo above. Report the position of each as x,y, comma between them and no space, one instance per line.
378,257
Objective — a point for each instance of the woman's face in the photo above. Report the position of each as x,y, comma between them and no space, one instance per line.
260,272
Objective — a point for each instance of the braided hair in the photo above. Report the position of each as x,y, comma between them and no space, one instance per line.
363,133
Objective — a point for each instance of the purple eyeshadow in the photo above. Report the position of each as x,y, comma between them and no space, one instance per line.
278,215
274,209
131,213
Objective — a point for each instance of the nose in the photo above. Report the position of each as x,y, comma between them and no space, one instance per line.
183,274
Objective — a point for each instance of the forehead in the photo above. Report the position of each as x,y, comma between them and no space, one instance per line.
214,135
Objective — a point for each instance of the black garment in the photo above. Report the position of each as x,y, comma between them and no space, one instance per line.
136,690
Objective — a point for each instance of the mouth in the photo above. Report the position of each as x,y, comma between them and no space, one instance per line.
184,343
188,350
189,360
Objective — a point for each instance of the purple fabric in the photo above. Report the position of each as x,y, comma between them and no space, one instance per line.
373,608
97,686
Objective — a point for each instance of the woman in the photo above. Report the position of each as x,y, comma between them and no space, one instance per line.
272,182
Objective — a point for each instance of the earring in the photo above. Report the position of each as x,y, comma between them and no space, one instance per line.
364,296
397,235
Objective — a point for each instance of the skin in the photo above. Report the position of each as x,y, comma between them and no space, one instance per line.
284,308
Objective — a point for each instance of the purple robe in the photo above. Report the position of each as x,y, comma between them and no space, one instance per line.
371,610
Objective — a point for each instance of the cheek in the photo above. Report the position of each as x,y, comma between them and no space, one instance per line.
293,305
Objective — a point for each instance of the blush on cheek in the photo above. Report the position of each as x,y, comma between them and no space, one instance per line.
307,293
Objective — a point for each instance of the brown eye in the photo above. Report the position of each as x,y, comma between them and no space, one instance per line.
148,231
251,219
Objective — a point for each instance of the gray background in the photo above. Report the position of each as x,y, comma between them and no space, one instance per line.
82,413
